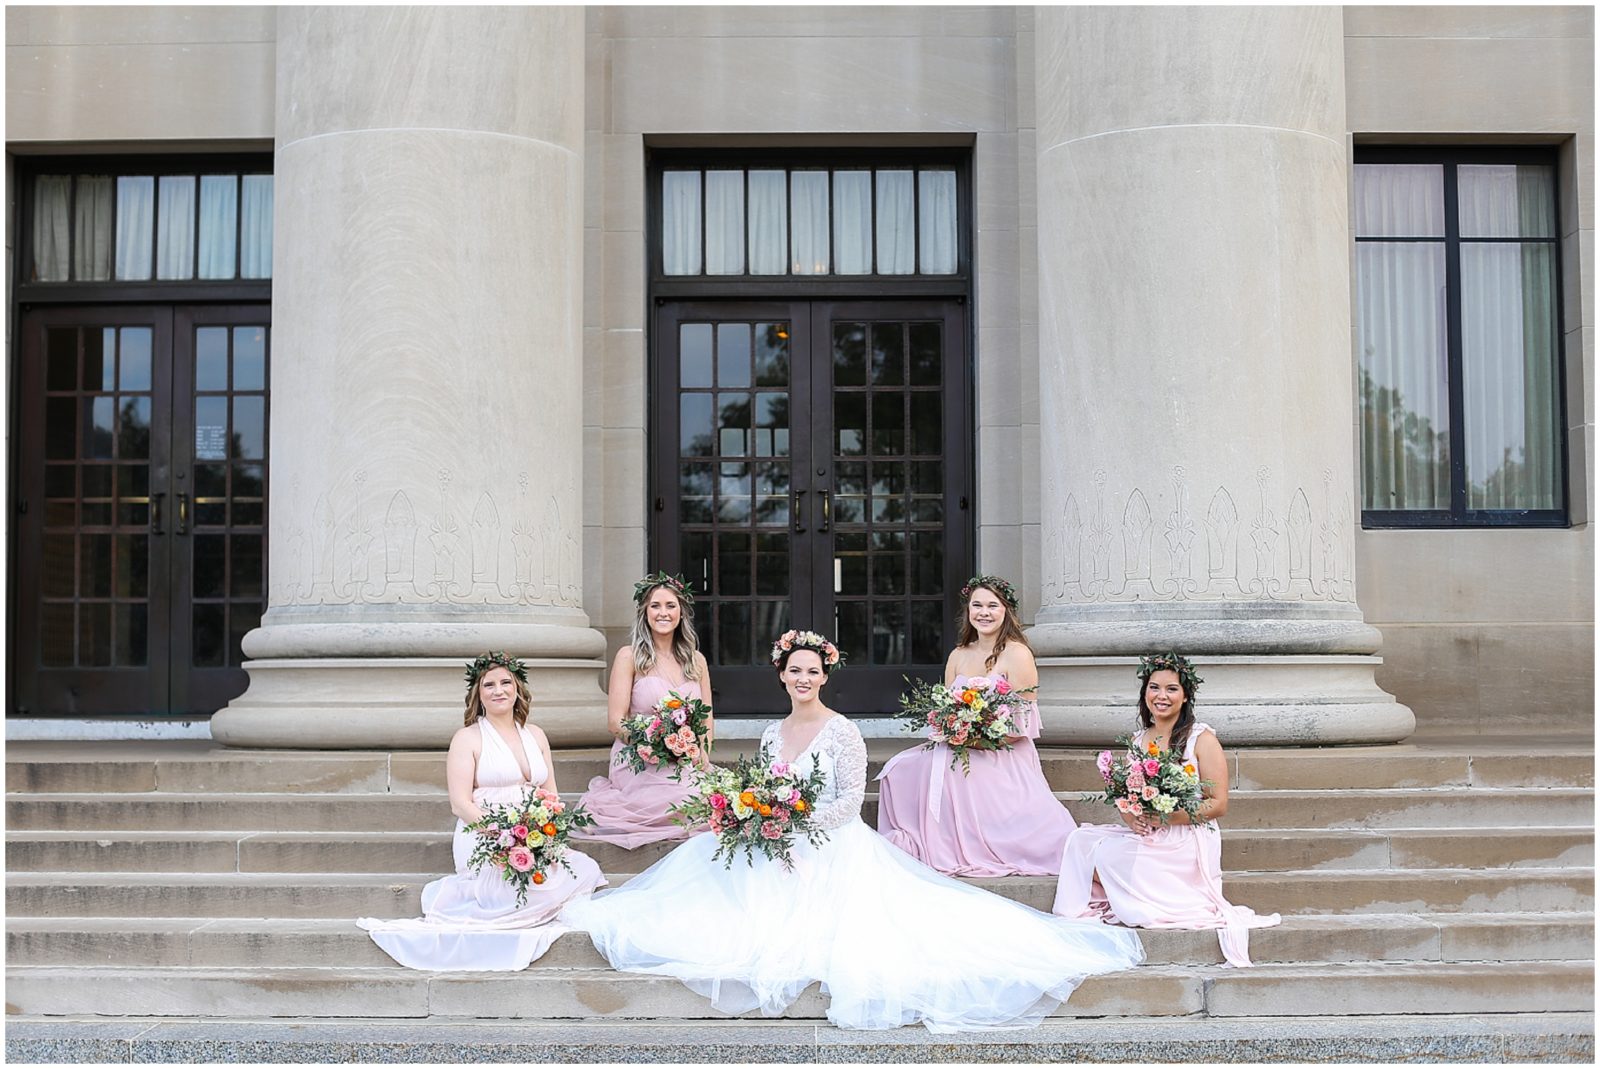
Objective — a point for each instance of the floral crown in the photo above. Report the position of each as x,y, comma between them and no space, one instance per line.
675,583
496,659
1007,592
1170,662
808,640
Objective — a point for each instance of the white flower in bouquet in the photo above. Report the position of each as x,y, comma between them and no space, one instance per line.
1163,803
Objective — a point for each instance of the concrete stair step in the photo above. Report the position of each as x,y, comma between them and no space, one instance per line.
208,811
309,942
196,766
398,894
594,994
336,851
1390,1037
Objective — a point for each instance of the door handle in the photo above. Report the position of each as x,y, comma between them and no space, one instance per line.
183,514
827,509
155,512
799,514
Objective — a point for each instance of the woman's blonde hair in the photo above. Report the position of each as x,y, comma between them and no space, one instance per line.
684,640
519,708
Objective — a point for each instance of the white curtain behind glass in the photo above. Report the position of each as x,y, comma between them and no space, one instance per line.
255,225
808,194
896,221
769,223
1402,200
680,222
1506,201
50,227
175,228
724,222
219,223
92,239
135,225
937,222
852,222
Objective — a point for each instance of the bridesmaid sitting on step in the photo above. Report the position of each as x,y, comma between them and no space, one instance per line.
1149,875
1001,819
630,808
471,920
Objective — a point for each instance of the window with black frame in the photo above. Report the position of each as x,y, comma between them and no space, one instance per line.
1458,339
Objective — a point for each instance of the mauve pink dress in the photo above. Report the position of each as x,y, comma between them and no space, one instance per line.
1001,820
1171,878
630,808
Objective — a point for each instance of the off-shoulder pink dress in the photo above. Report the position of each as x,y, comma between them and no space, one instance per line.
630,808
999,820
1171,878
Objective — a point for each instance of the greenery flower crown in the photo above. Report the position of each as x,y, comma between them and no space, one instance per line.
1007,592
1170,662
496,659
808,640
675,583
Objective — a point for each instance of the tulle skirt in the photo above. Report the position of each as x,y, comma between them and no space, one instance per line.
891,941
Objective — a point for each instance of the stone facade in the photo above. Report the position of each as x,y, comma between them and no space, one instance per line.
1478,627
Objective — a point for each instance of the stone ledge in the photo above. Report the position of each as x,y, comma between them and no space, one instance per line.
1550,1037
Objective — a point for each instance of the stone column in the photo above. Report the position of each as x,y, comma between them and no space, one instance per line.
427,377
1198,456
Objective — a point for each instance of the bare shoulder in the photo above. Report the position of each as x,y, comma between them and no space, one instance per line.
1016,655
623,661
466,738
1206,741
538,734
702,666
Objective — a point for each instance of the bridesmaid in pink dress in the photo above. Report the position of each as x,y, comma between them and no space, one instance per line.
1163,876
471,919
631,808
1002,819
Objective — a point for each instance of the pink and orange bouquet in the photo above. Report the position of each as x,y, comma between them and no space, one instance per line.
524,840
1149,780
672,734
978,715
758,805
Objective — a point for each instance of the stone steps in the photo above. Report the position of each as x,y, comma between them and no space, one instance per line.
598,994
202,766
253,894
1508,807
429,851
213,942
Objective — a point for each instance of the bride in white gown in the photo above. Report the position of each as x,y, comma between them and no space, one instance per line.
891,941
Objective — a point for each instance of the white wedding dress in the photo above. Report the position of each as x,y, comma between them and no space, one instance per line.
891,941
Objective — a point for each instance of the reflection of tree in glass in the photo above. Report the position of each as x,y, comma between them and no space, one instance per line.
772,354
135,430
1410,468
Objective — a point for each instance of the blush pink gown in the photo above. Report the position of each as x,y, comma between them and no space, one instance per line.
471,920
1001,820
1171,878
630,808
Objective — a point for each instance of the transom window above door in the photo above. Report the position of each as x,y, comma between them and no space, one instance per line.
811,218
197,225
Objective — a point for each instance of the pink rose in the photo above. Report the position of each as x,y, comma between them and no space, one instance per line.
644,751
793,796
520,831
1148,793
680,716
1135,778
719,801
653,729
1104,762
1002,688
960,736
692,752
780,814
520,858
1126,806
505,839
556,807
546,796
1151,766
780,769
674,744
770,830
651,759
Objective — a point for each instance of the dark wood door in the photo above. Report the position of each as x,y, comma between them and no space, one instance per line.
805,475
140,506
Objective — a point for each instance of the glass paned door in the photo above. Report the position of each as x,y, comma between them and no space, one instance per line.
142,499
805,477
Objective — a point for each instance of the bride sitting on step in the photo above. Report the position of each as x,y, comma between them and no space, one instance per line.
471,920
1163,876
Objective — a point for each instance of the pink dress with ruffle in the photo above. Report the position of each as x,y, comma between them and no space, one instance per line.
1171,878
630,808
1000,820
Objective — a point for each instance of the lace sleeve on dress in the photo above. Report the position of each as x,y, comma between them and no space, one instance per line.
850,776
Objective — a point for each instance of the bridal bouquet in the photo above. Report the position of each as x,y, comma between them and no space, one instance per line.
524,840
758,805
673,733
978,715
1149,780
